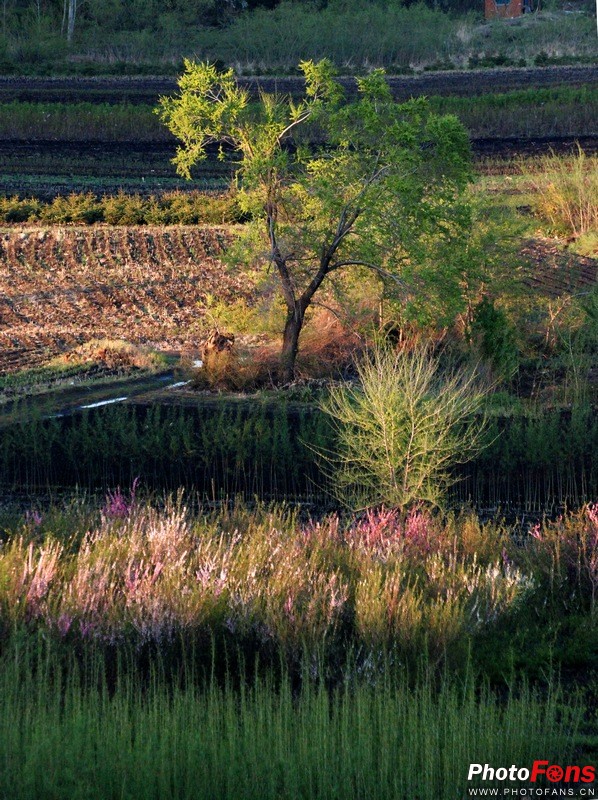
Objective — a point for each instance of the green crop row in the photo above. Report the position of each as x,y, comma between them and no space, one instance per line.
529,113
532,112
171,208
81,121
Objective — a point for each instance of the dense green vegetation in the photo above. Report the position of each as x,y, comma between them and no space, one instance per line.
135,36
157,652
182,638
71,734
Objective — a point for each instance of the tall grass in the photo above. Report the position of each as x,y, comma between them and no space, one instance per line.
389,35
567,193
356,34
65,736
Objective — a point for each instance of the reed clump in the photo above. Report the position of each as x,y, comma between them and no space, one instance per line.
567,193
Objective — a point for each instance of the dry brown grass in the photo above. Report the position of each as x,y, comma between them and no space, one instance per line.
567,193
326,347
115,355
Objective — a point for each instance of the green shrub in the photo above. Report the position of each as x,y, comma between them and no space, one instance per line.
171,208
12,209
79,208
191,208
401,430
495,338
123,209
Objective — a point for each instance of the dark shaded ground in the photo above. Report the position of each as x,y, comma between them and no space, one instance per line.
46,169
148,89
555,272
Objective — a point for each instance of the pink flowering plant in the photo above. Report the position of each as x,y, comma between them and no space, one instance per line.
415,582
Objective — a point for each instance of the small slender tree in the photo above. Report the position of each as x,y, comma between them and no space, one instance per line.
382,192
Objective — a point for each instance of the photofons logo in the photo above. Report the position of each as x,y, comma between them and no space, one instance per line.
543,779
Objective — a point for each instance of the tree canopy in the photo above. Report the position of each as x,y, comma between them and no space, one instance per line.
369,184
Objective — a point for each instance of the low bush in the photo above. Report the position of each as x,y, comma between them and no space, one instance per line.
13,209
171,208
402,428
237,370
76,208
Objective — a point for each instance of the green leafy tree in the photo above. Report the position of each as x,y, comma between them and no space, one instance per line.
384,192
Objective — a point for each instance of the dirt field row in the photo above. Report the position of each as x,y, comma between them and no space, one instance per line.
62,287
554,273
148,89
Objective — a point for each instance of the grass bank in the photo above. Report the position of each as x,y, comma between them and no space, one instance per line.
67,733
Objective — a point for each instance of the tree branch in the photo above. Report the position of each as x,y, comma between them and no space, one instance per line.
281,264
368,265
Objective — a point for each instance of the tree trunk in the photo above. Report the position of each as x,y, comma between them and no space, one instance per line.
72,15
290,342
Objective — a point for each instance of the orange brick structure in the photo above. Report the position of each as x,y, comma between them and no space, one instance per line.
507,8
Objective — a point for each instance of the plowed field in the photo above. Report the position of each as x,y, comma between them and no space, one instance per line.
62,287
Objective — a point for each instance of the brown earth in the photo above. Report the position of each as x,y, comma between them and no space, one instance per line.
62,287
